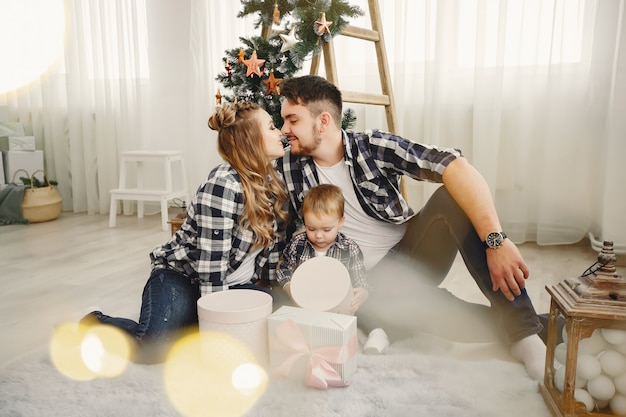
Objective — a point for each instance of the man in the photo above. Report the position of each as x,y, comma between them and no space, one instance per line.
459,216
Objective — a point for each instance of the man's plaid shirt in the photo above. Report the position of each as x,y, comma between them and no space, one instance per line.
211,243
376,161
345,250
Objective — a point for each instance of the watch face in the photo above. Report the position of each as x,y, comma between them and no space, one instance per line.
494,239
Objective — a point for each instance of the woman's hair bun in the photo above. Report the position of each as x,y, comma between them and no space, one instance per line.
226,114
223,117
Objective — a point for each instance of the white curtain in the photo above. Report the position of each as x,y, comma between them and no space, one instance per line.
532,91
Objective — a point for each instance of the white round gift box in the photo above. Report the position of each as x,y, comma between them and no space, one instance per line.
241,314
323,284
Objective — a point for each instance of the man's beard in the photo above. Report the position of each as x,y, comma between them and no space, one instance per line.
303,150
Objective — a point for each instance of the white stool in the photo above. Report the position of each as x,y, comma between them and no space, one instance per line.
140,194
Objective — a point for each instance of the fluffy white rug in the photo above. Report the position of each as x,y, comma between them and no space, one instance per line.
419,376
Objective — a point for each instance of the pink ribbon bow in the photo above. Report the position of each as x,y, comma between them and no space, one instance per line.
319,373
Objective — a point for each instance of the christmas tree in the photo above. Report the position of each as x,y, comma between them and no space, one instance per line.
292,32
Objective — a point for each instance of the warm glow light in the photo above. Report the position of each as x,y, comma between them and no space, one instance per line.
105,350
84,353
65,348
31,39
213,374
249,378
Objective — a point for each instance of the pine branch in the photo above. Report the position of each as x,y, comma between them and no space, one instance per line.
284,64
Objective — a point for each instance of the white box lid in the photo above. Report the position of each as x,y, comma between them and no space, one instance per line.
235,306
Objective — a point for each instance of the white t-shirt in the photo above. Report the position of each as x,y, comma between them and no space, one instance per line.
242,274
375,237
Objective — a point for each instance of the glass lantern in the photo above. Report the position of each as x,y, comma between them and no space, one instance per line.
585,375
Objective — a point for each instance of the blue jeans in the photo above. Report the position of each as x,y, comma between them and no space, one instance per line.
430,245
168,311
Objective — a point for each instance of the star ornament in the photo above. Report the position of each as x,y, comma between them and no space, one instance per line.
272,83
254,65
218,98
289,40
323,25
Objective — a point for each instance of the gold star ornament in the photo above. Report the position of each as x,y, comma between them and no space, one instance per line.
323,25
272,83
254,65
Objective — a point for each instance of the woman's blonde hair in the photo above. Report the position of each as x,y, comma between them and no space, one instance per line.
240,143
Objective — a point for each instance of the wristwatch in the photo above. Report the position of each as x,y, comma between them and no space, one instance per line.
494,240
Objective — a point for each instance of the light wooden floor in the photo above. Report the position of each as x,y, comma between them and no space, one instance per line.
50,272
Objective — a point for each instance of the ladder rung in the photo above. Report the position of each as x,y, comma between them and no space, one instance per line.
365,98
360,33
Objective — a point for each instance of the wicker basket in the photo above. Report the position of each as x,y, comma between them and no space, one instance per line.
41,204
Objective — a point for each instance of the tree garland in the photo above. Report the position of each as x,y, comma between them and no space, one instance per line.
294,31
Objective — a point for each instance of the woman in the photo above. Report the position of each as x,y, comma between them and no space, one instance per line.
232,233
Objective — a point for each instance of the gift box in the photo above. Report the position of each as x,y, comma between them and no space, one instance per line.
322,283
30,161
315,346
240,313
7,129
21,143
11,129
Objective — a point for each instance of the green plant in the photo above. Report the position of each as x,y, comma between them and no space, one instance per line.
37,183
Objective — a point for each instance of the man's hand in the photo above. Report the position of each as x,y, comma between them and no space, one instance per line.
508,269
358,298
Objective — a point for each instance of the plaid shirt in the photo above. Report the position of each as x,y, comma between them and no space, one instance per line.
345,250
211,244
376,160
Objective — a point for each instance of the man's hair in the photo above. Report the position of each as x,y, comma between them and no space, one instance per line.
324,199
315,93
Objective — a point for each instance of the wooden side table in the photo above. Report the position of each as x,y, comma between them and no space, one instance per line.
176,222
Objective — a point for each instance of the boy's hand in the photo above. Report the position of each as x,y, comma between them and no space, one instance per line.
358,298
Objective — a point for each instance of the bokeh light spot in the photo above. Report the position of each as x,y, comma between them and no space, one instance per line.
106,351
65,352
248,378
31,39
212,373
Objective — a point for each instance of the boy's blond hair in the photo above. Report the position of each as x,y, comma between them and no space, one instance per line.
324,199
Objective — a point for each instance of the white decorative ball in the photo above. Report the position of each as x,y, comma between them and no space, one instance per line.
584,397
613,363
592,345
588,367
614,336
560,353
600,404
559,379
621,348
620,383
601,388
618,404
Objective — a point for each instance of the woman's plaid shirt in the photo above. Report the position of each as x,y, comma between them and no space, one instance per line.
211,243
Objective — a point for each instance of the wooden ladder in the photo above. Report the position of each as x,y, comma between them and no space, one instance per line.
375,34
